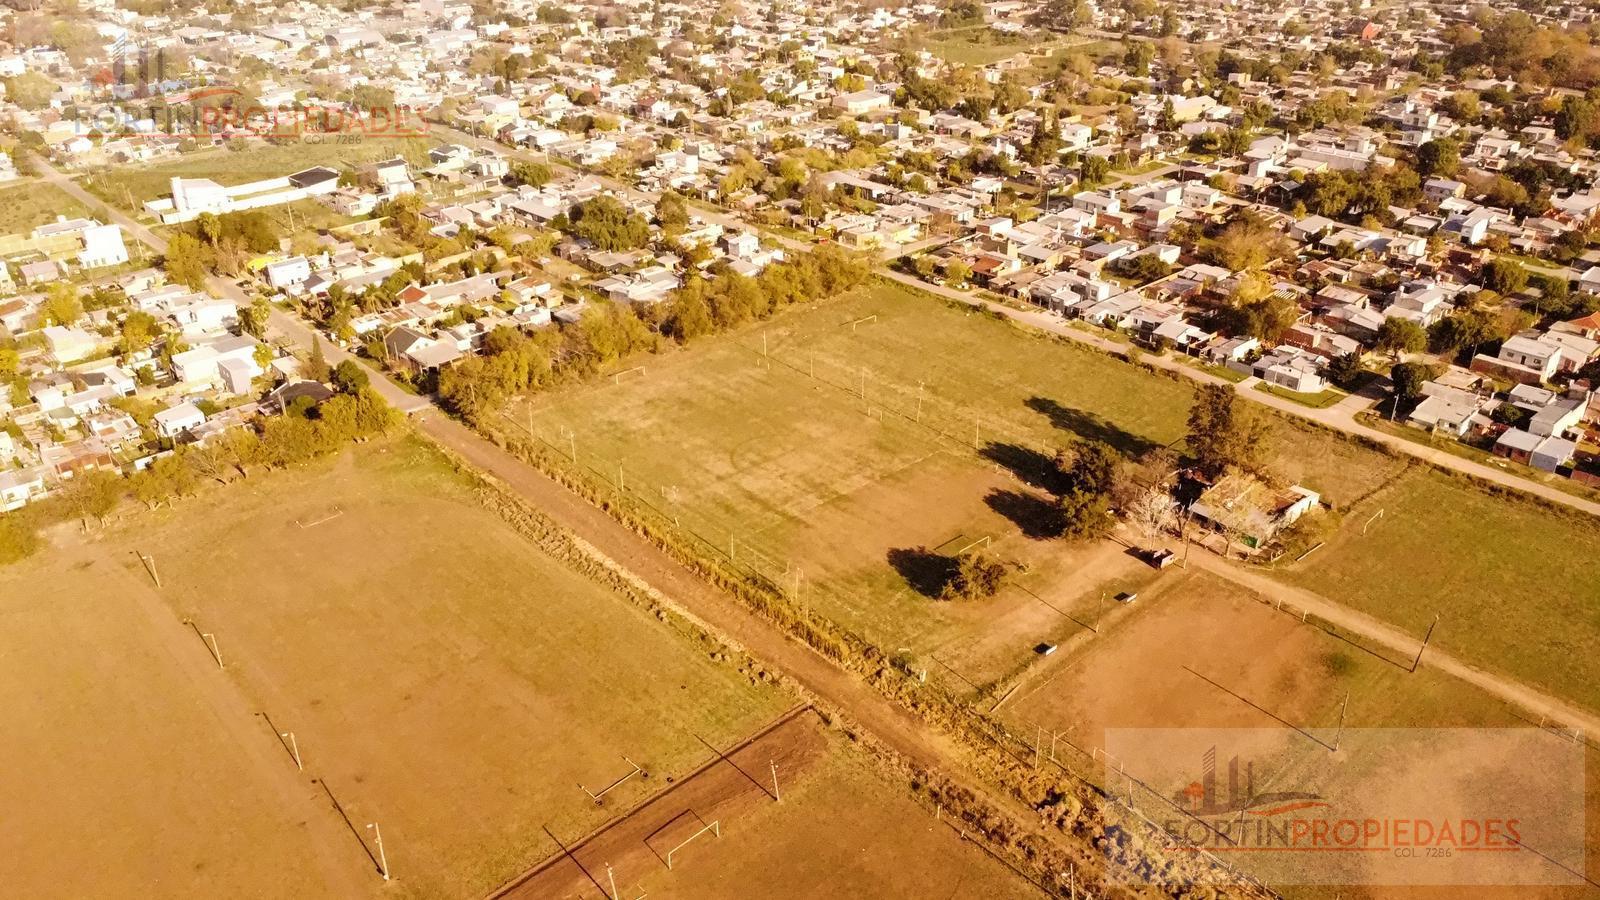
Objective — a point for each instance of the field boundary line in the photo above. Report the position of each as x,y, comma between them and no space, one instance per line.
574,846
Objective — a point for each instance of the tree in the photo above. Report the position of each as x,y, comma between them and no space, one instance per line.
604,222
350,378
317,366
1408,379
1085,515
139,330
977,576
185,261
62,305
1245,243
1464,330
1223,434
1397,336
1345,370
956,273
93,494
672,212
536,174
1093,170
253,318
1439,157
1505,276
30,90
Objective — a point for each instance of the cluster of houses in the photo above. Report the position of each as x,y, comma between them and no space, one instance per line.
84,398
57,250
647,92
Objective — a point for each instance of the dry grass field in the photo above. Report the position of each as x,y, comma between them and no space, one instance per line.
838,446
27,206
832,827
142,183
442,677
1203,653
1514,583
126,775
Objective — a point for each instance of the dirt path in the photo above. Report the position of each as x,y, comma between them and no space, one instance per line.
340,861
1406,645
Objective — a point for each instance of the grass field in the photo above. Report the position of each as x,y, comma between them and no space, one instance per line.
1514,583
122,780
1202,653
1137,675
802,478
980,46
258,161
840,832
26,207
833,827
443,677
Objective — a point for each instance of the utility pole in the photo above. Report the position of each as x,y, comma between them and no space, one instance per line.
215,650
1339,733
776,795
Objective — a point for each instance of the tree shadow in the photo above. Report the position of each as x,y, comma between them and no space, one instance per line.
925,571
1037,517
1090,426
1029,465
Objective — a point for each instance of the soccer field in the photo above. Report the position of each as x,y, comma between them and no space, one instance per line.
443,677
837,446
125,775
1515,584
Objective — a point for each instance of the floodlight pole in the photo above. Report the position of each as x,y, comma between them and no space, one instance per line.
613,879
383,859
1342,707
776,794
294,748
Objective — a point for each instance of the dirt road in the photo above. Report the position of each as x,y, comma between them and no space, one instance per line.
1405,645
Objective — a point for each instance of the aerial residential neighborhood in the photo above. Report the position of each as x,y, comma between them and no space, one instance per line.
1043,447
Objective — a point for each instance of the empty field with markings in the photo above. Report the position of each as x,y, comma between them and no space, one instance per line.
441,675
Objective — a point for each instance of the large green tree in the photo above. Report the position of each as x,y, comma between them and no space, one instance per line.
1224,434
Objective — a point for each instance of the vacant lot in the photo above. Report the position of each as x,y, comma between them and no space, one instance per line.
1151,671
1201,653
846,448
1514,583
443,677
26,207
124,775
258,161
981,45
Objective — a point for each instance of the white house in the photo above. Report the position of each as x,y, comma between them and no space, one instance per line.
175,420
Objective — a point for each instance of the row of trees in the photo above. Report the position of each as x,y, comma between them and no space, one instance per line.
514,362
303,432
